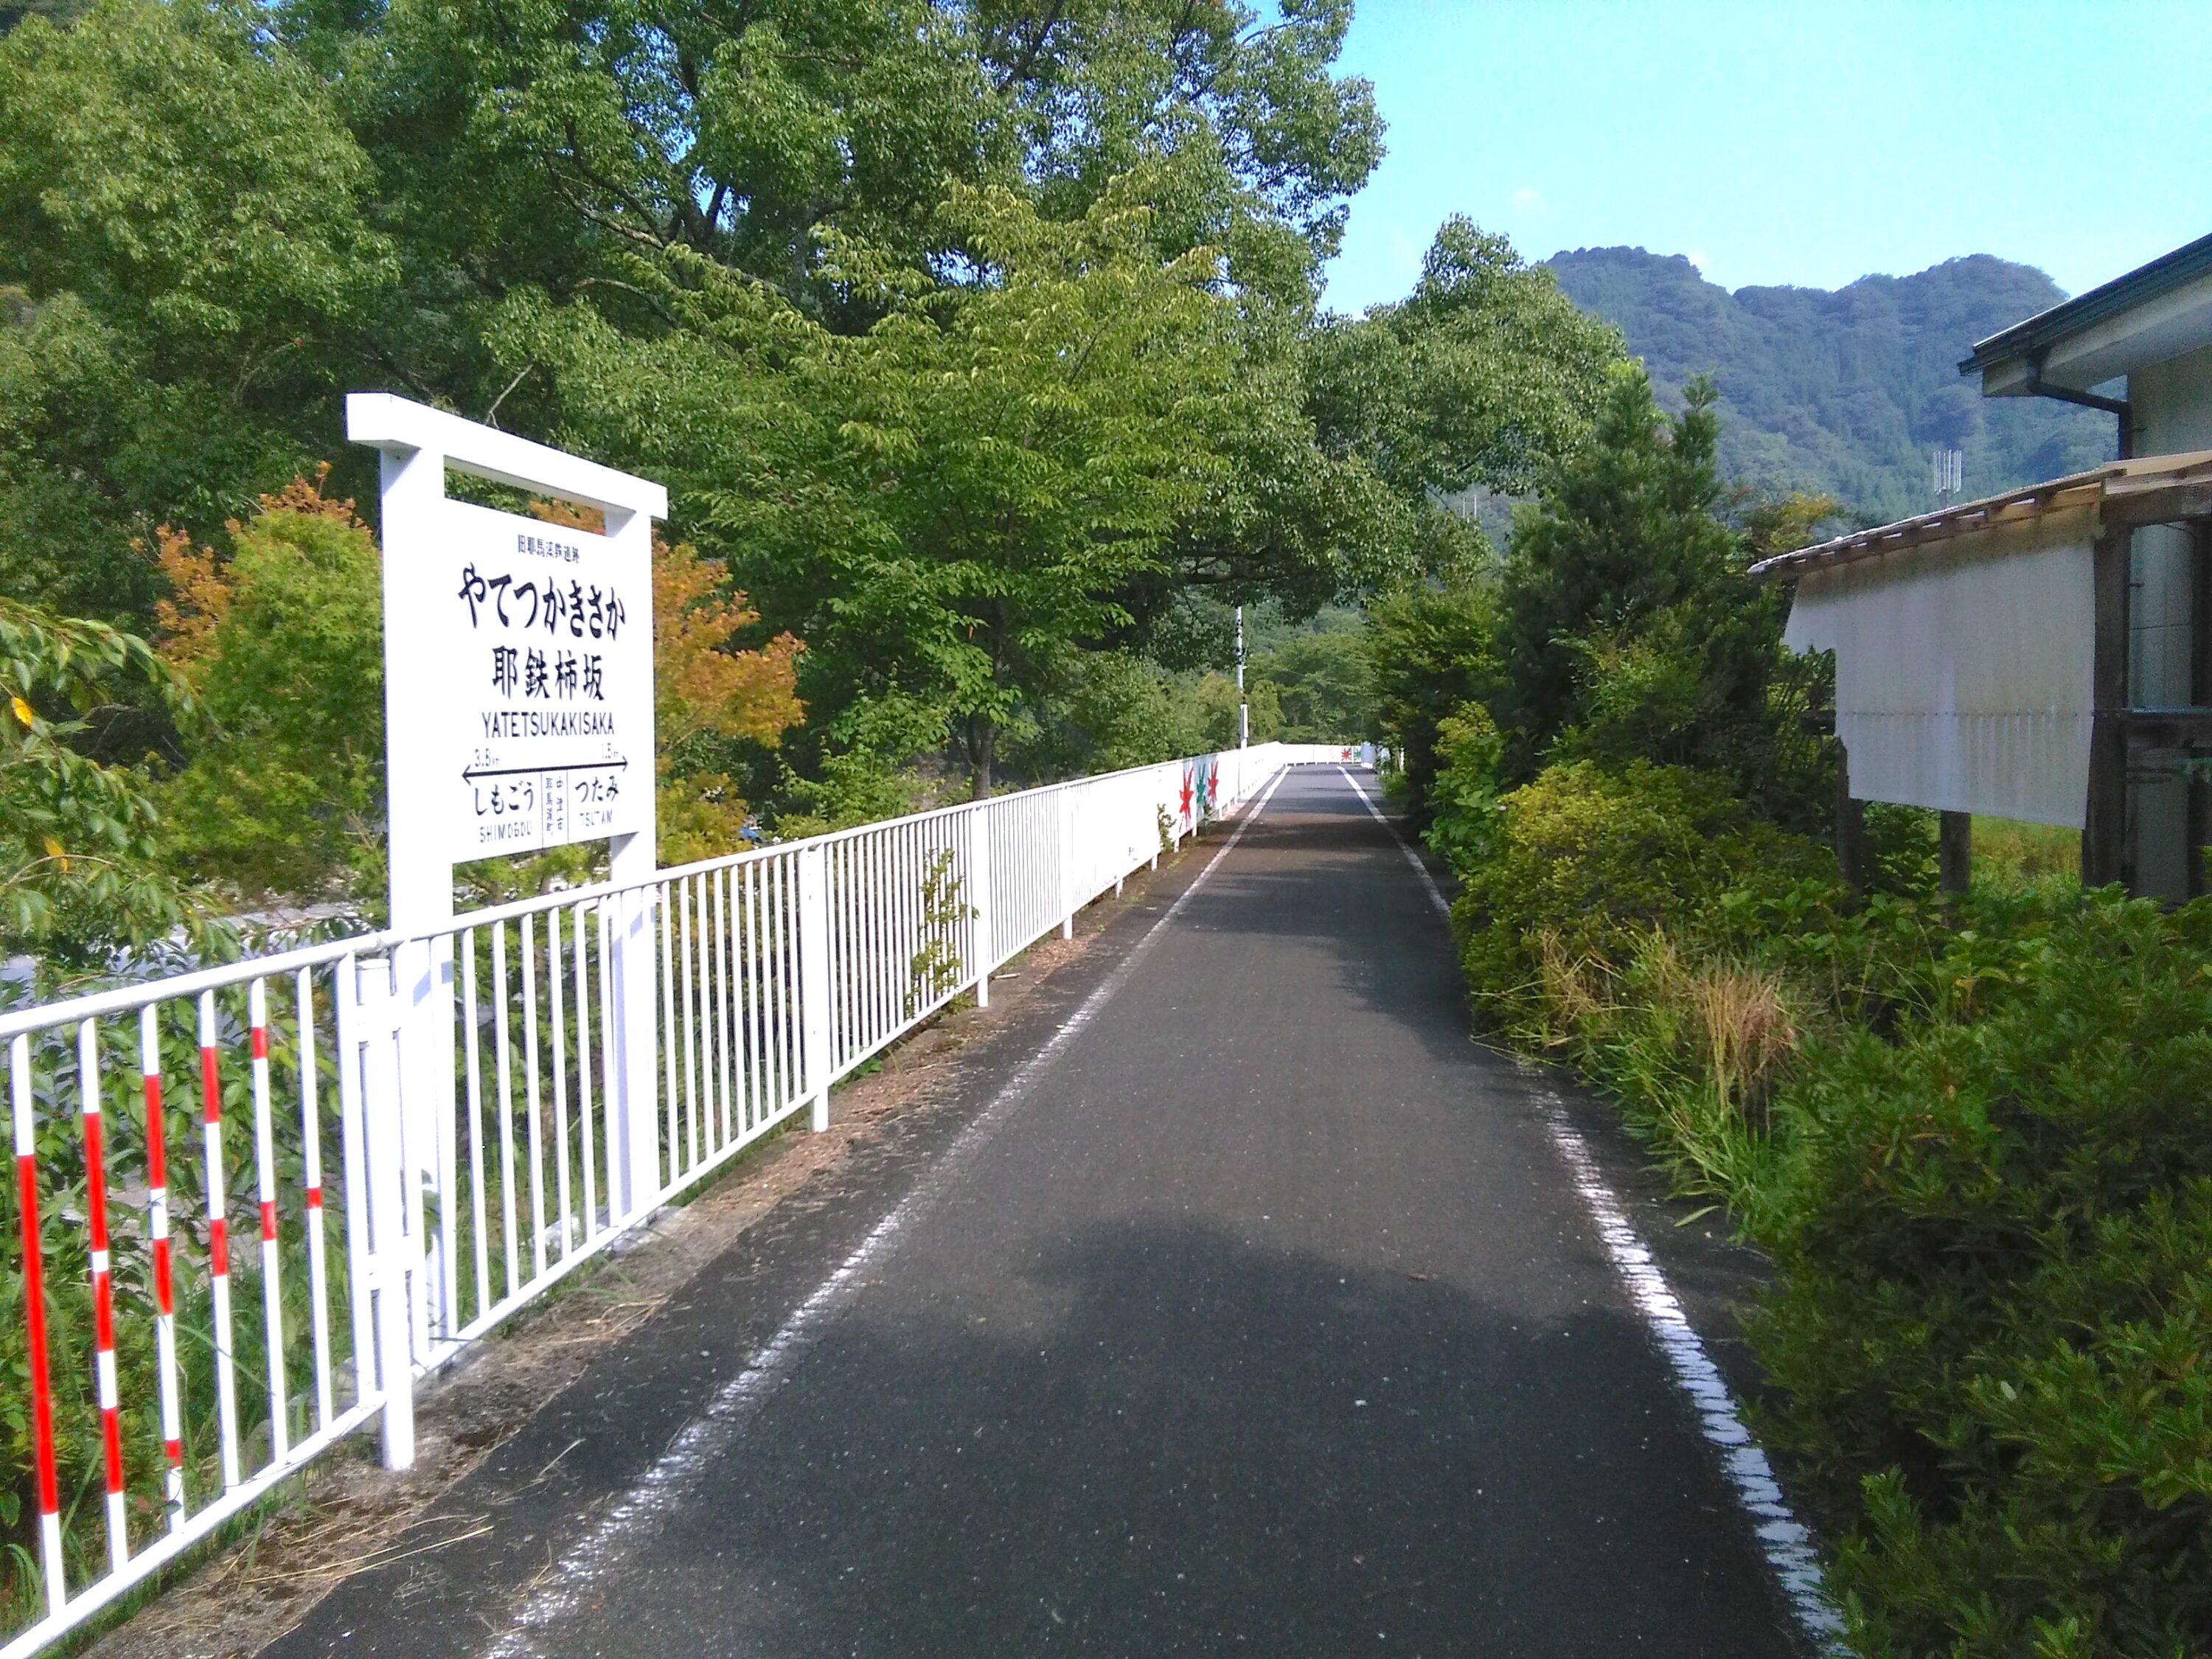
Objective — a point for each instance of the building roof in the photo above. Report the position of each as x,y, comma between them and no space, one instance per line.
2155,489
2090,338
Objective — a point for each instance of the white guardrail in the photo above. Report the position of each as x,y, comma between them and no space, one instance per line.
172,1365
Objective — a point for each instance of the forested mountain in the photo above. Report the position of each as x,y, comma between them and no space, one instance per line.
1845,391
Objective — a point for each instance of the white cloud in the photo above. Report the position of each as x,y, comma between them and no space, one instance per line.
1528,198
1697,258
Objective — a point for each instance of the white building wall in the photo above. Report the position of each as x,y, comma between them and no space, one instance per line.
2172,405
1963,669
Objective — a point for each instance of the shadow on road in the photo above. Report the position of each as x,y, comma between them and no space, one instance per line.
1167,1440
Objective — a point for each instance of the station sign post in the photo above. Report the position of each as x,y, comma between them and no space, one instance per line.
518,673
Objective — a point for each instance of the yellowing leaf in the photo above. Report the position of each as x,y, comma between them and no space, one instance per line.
22,710
54,848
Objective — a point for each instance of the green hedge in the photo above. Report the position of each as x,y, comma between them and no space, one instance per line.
1975,1138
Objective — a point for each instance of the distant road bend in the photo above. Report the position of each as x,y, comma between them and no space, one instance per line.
1250,1308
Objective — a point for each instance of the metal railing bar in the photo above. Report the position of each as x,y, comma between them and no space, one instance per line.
472,1100
586,1123
129,999
97,1595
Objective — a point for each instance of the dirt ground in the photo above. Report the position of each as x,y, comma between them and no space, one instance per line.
346,1513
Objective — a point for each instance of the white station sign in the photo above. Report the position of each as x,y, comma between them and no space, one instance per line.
544,636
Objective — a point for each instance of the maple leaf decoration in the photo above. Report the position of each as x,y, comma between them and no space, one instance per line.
1186,794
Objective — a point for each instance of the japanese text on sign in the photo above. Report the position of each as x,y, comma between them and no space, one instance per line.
552,722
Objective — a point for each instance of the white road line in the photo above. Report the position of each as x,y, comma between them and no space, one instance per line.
634,1515
1786,1543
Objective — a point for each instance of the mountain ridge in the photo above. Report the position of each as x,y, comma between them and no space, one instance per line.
1846,390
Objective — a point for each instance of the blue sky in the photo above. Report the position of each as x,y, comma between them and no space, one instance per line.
1792,141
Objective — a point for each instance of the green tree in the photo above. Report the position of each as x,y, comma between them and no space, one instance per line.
1630,630
1285,519
544,145
1431,650
1218,707
78,870
944,506
186,278
1321,681
1112,709
1485,376
639,228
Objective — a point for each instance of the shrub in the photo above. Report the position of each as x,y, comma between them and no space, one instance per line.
1463,825
1991,1303
1590,861
1976,1138
284,643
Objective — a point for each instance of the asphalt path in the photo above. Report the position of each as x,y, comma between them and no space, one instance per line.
1252,1311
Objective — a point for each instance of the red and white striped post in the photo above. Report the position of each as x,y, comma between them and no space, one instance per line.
311,1177
157,1232
34,1331
103,1291
226,1380
264,1162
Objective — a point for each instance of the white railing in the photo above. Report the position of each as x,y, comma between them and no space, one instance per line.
413,1168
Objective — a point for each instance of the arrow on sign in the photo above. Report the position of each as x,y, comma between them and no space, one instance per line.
470,774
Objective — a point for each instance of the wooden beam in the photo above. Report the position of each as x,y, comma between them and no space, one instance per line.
1850,827
2200,691
1954,851
2170,728
2181,503
2104,813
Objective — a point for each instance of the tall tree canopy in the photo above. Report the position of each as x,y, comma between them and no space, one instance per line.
979,342
1481,378
749,250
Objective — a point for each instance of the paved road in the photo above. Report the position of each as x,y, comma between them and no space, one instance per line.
1259,1317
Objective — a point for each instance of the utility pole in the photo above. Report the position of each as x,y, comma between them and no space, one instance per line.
1243,708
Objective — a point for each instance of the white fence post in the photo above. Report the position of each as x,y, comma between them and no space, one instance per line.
634,1129
1068,892
979,898
386,1010
814,978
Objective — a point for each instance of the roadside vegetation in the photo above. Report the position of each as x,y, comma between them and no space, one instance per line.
1971,1134
982,347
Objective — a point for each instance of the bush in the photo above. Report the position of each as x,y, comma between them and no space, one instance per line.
1992,1305
1464,822
283,643
1590,862
78,870
1976,1138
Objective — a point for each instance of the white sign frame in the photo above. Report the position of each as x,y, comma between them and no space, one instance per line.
422,686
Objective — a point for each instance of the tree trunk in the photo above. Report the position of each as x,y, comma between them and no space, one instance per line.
982,752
